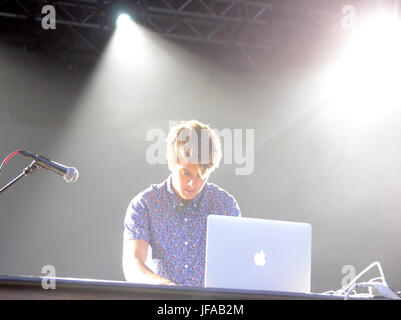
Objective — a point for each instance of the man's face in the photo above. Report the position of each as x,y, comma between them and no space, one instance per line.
186,181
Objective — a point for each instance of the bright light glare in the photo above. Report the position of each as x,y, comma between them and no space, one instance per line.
364,83
126,39
124,20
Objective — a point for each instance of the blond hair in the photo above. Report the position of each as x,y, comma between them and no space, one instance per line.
193,142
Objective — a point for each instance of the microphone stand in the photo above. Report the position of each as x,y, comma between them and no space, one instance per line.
26,172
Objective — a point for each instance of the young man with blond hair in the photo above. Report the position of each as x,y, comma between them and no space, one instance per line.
171,217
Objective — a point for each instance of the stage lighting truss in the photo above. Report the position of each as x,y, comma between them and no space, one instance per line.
245,24
237,23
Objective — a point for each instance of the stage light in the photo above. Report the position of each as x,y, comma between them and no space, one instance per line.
124,13
363,83
124,20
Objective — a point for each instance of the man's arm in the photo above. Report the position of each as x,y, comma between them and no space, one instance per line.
134,256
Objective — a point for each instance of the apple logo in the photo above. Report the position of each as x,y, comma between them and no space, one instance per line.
260,258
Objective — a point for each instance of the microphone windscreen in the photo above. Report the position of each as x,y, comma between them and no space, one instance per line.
71,175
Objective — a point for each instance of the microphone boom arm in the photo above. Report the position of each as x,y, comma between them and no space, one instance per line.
26,172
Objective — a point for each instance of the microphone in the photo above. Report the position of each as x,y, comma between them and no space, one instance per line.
69,174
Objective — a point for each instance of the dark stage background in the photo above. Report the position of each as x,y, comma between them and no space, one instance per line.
310,165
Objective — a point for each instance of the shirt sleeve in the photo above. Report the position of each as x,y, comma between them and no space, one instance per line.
136,222
232,208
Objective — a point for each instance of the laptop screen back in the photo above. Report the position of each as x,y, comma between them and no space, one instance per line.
258,254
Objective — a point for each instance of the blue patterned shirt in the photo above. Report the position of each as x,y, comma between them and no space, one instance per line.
175,232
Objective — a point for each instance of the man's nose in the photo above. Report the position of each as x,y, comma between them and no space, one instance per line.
192,183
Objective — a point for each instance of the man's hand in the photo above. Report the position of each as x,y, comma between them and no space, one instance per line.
166,282
135,270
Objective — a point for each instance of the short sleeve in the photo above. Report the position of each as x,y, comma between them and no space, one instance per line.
232,208
136,222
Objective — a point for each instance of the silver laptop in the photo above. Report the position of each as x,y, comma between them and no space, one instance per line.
258,254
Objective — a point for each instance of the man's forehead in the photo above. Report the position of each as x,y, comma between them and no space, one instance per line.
191,167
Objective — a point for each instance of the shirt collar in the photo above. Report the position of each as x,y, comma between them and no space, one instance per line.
195,202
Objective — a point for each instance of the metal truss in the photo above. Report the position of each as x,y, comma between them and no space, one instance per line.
239,23
249,25
86,19
244,24
84,13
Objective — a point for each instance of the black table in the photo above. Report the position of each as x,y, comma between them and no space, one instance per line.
30,287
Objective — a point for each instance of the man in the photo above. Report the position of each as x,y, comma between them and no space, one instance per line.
171,217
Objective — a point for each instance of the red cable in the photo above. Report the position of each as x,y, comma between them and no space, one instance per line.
8,158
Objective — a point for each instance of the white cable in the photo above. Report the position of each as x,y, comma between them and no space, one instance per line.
384,290
376,263
382,287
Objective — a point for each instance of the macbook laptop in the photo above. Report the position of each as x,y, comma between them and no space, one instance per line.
258,254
